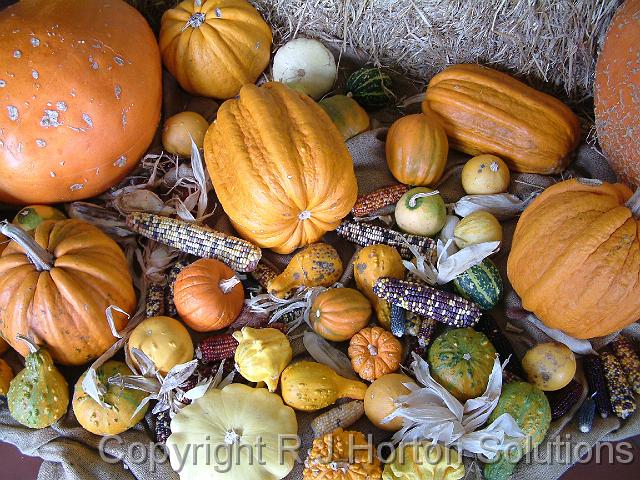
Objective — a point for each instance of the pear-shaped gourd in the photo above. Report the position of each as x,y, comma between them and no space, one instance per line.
262,355
318,265
310,386
39,394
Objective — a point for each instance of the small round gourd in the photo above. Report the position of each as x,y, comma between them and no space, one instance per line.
370,87
122,403
550,366
164,340
179,129
420,211
306,65
485,174
482,284
380,400
477,227
374,352
338,314
38,395
30,217
461,360
6,375
350,118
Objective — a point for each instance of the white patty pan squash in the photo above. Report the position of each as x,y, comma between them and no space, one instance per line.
231,425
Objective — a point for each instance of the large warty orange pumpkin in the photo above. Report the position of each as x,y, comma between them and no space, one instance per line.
617,93
55,287
280,167
575,258
80,95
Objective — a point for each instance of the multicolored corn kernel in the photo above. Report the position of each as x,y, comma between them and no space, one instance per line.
216,348
172,276
154,303
594,371
163,427
586,415
620,392
563,400
263,274
398,319
370,203
625,352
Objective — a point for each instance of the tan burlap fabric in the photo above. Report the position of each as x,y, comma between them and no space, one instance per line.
71,453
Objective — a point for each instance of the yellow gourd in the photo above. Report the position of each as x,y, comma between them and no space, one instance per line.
424,461
262,355
310,386
477,227
6,375
485,174
550,366
318,265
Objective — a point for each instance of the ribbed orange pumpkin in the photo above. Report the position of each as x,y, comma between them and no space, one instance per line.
280,167
81,89
417,149
208,295
487,111
61,302
374,352
338,314
586,246
213,47
616,96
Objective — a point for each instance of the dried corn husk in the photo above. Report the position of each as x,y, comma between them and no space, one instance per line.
324,353
501,205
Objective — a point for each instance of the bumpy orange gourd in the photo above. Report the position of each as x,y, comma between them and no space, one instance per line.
338,314
208,295
280,167
214,47
81,89
487,111
374,352
417,149
617,102
62,305
586,250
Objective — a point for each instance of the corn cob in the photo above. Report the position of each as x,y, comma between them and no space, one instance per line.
163,427
563,400
263,274
365,234
171,281
620,393
492,330
348,273
509,377
427,301
198,240
594,371
586,415
374,201
624,350
412,324
342,416
216,347
154,304
427,329
398,320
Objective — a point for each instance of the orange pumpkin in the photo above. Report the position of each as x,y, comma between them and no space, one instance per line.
338,314
81,94
213,47
58,291
617,102
374,352
487,111
208,295
586,246
417,149
280,167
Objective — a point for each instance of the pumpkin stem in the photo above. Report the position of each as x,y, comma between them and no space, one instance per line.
33,348
634,204
227,284
414,198
195,21
40,257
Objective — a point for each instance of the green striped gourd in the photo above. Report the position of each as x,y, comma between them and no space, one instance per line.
481,284
370,87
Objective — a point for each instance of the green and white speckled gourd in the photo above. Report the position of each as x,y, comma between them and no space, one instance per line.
39,395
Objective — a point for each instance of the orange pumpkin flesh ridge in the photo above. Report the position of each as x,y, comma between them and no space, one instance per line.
585,279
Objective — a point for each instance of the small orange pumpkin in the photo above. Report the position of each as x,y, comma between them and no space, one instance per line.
374,352
417,149
208,295
339,313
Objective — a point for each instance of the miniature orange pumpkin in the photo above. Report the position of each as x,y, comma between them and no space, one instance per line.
374,352
213,47
338,314
208,295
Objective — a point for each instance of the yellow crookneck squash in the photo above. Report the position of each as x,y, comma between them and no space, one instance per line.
280,167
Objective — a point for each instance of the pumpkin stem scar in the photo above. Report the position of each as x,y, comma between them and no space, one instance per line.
231,437
195,21
227,284
634,204
414,198
41,258
373,351
33,348
304,215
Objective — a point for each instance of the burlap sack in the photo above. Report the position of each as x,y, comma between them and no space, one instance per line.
71,453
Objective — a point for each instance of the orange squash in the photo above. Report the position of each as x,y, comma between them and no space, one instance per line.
586,245
58,291
487,111
280,167
617,102
338,314
374,352
213,47
81,94
417,149
208,295
350,118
